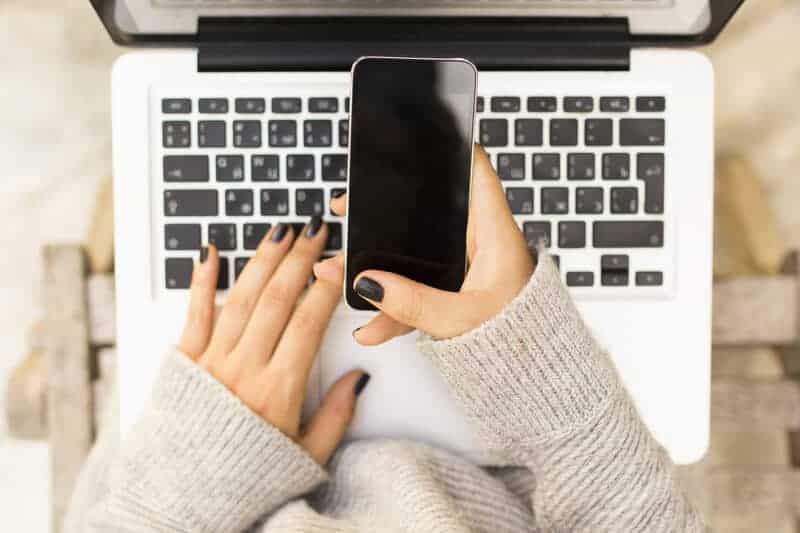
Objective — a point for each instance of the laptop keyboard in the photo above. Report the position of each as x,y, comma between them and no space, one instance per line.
583,174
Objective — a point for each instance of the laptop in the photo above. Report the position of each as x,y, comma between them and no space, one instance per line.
232,115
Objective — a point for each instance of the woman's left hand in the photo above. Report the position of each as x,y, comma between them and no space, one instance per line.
264,343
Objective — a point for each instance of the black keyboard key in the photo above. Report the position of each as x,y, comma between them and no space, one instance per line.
563,132
239,202
176,105
511,166
334,241
250,105
650,103
347,104
598,132
317,133
520,200
274,202
334,167
556,260
211,134
309,202
528,132
535,233
335,193
615,104
554,200
254,234
614,270
286,105
344,129
650,169
493,132
223,276
616,166
191,203
300,167
230,168
580,279
650,278
578,104
542,104
580,166
614,262
546,166
264,168
628,234
238,266
624,200
179,168
182,236
178,272
213,105
479,104
505,104
247,133
572,234
176,134
282,133
641,132
323,105
223,236
589,200
614,278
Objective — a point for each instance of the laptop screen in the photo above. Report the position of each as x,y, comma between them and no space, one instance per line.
179,17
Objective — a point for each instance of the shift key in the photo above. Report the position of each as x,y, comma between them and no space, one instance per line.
628,234
185,168
191,203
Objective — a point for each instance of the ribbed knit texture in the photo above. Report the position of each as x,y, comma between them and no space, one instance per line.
543,395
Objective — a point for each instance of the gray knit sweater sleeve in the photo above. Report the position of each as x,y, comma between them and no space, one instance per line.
544,394
200,460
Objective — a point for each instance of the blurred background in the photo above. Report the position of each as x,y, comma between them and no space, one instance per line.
55,151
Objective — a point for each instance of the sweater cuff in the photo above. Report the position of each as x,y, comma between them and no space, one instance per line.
531,371
200,458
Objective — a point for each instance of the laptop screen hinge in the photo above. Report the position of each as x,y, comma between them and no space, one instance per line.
315,43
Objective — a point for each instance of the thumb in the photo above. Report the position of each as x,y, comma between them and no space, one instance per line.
441,314
327,426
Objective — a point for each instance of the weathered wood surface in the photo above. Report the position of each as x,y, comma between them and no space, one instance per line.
103,386
756,310
749,490
100,239
102,316
767,404
26,398
69,377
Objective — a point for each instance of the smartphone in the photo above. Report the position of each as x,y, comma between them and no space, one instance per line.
410,170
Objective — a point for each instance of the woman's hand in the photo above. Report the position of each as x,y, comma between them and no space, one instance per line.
500,265
264,343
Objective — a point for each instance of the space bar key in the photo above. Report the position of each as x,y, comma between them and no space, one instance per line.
628,234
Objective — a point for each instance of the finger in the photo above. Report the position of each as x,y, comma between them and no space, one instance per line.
339,205
243,296
331,269
380,329
326,428
489,210
278,299
442,314
200,318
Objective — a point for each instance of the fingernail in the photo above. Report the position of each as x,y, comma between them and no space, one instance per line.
313,226
361,383
203,254
279,233
369,289
356,331
338,193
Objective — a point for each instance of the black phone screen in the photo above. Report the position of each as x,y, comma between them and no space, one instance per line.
410,163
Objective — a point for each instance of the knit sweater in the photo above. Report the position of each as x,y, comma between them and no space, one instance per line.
540,391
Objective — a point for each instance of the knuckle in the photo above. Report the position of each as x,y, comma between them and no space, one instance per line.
239,305
308,321
278,293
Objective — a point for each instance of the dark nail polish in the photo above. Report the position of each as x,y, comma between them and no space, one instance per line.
361,383
369,289
313,226
280,232
338,193
203,254
356,330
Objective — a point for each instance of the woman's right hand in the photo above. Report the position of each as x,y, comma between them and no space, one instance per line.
500,265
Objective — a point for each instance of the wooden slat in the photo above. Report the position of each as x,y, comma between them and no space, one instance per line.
102,317
100,239
753,404
755,310
69,377
750,490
